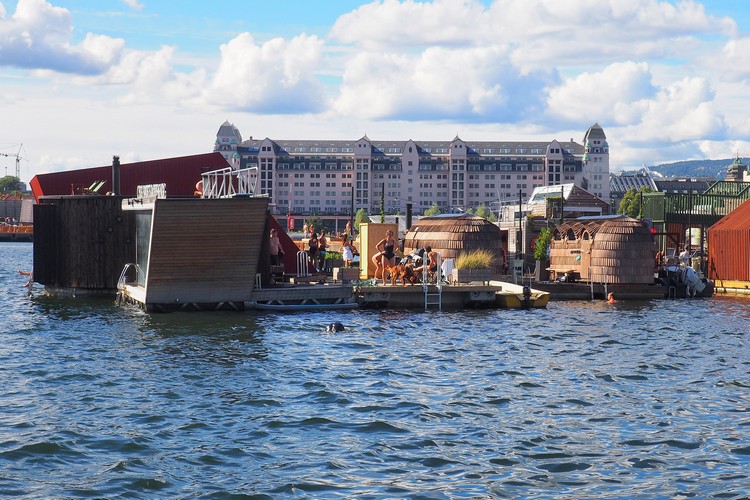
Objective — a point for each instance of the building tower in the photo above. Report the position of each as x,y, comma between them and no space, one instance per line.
227,139
596,162
736,171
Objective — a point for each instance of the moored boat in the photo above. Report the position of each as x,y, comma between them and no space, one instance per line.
513,296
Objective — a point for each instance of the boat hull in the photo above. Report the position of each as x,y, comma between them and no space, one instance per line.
512,296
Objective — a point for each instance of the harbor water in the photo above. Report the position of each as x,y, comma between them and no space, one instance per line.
580,400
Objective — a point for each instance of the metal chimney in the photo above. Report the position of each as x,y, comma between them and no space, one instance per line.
408,216
116,175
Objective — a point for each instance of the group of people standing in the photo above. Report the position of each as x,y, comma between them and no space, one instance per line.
385,257
317,246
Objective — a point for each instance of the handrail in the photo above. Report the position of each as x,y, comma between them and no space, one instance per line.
228,182
122,281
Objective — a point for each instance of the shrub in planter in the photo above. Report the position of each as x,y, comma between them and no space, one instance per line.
473,266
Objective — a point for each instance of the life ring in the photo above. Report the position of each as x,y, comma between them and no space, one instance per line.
198,188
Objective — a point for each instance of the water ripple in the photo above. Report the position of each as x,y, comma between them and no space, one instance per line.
580,400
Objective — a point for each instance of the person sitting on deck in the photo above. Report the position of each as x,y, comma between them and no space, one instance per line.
429,262
685,257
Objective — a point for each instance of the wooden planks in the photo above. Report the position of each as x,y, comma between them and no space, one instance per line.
205,250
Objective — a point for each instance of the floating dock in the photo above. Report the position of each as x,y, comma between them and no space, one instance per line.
496,294
587,291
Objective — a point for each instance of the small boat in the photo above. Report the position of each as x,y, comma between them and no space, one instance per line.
512,296
682,282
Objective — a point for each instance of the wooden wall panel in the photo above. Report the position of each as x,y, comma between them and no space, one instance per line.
205,250
84,242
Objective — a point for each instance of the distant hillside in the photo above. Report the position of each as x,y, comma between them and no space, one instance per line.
715,169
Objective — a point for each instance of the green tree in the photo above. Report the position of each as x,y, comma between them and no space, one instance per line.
542,243
360,216
314,220
10,183
631,202
433,210
482,211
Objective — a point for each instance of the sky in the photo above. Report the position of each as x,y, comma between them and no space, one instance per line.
83,80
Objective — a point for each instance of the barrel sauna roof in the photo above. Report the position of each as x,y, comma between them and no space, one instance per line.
451,234
584,225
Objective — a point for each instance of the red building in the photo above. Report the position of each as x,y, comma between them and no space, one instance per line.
729,251
179,174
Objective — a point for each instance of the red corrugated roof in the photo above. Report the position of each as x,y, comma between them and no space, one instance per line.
729,246
179,174
739,218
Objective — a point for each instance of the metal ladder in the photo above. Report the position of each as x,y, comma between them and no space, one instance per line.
434,298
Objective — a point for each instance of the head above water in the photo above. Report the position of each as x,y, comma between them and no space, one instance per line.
335,327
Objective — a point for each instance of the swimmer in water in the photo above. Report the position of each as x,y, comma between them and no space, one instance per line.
335,327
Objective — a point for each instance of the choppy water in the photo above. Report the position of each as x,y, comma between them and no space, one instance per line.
582,400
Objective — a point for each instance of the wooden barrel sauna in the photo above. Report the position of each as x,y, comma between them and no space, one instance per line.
451,235
623,252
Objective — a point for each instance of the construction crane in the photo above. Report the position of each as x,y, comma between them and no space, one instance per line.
18,158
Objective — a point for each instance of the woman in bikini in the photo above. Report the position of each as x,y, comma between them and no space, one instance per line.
386,255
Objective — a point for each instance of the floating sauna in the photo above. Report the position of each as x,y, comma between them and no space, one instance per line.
81,243
604,250
194,254
450,235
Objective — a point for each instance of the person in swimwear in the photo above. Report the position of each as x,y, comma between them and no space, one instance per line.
429,260
386,255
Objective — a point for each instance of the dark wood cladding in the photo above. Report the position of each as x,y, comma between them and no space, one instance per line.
205,250
82,242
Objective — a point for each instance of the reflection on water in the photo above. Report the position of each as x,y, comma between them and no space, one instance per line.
581,400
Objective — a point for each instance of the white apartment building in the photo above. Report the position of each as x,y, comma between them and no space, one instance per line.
339,177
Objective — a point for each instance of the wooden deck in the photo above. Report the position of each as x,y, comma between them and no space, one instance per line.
413,296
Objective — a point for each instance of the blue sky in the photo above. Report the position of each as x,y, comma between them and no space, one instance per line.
84,80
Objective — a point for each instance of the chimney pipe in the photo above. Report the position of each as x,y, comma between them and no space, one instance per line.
116,175
408,216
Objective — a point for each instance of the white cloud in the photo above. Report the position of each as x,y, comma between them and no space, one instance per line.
733,62
681,112
539,31
277,76
473,84
38,35
133,4
400,24
617,95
